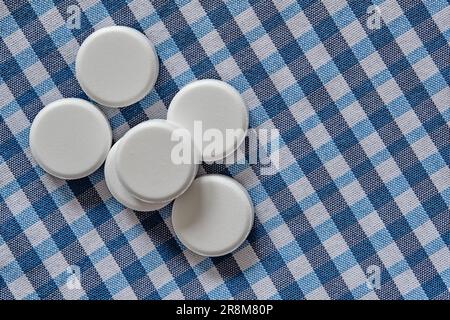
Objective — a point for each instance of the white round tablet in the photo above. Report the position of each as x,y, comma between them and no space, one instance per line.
211,110
119,192
149,165
214,216
70,138
116,66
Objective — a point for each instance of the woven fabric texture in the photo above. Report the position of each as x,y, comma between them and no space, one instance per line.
359,94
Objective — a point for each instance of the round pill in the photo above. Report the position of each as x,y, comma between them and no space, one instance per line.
211,110
70,138
119,192
149,165
116,66
214,216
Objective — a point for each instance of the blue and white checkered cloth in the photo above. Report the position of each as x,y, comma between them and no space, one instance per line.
363,114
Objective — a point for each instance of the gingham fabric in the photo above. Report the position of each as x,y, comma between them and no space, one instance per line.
363,113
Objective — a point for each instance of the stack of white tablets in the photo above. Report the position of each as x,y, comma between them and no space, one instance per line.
71,138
